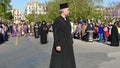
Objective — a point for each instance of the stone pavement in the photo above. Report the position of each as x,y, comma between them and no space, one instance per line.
29,53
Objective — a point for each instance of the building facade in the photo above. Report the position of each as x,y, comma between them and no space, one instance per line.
111,12
18,15
35,7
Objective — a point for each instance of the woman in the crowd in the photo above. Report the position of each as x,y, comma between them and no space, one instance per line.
14,30
5,35
29,27
78,30
32,28
74,29
114,35
19,29
106,33
43,33
25,29
83,33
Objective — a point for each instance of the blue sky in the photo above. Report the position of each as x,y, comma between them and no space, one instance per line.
20,4
108,2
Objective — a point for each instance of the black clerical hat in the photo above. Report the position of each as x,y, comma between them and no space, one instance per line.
64,5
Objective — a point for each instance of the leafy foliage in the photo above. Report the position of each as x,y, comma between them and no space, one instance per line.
80,9
5,8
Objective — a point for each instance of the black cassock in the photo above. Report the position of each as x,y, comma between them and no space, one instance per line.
43,34
1,35
62,37
114,36
1,39
36,30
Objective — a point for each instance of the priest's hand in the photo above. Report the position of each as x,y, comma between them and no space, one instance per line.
58,48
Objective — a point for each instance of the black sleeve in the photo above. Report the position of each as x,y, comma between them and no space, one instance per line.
56,33
40,30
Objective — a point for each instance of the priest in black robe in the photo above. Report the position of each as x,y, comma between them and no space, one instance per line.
36,30
114,35
43,32
62,53
1,35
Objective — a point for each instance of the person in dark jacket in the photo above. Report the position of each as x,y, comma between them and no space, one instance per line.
1,35
62,53
36,30
43,32
114,35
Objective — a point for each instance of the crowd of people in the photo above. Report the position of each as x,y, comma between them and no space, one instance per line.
102,32
80,30
21,29
3,32
39,30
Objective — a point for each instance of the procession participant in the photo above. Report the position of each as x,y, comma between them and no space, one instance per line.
62,53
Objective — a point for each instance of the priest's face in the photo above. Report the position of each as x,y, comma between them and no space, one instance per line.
66,11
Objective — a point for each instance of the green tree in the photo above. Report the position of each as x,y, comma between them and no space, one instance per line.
5,8
1,10
8,16
6,4
52,10
31,17
80,9
43,17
